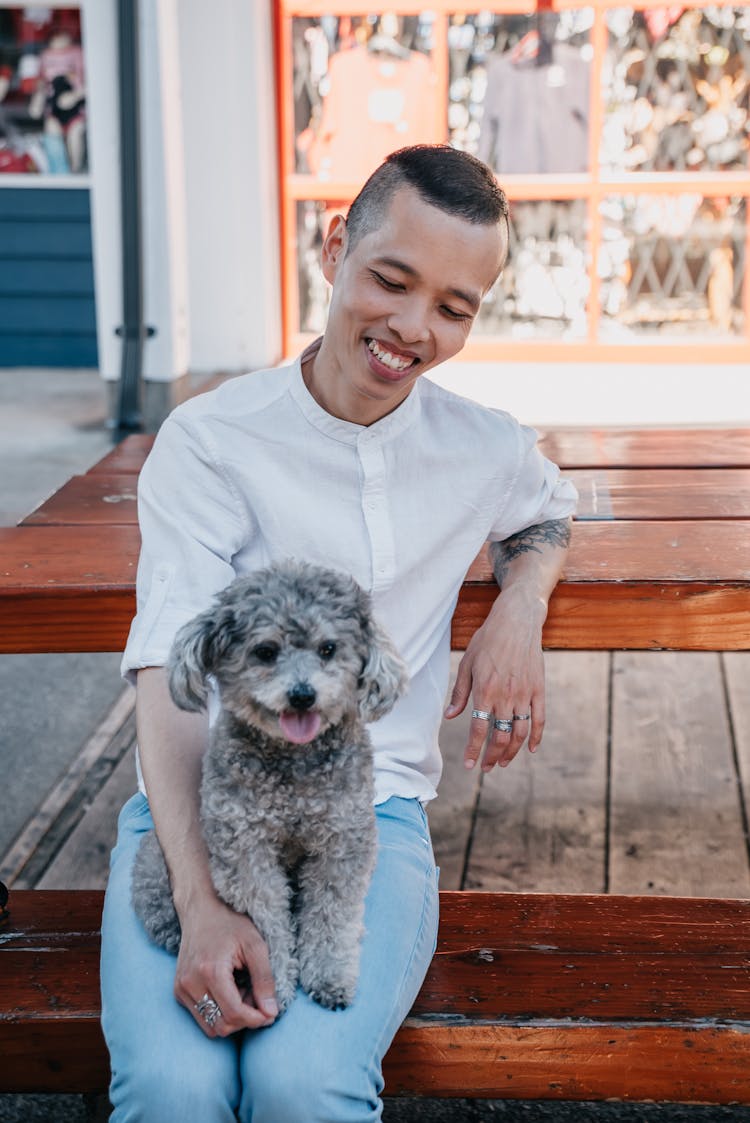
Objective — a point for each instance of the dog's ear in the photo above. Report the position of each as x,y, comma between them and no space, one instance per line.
191,660
383,677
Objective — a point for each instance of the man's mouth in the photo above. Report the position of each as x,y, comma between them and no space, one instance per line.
393,360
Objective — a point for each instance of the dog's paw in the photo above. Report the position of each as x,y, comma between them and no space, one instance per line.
333,996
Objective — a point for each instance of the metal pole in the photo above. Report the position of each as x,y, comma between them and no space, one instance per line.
133,332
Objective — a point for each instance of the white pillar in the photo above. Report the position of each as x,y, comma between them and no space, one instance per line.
232,183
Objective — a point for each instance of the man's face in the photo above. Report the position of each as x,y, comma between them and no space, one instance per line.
404,299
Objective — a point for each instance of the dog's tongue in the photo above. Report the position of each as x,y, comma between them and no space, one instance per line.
299,728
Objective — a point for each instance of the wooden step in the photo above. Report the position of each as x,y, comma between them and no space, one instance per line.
529,995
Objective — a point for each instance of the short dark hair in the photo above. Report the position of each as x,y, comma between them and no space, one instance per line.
451,180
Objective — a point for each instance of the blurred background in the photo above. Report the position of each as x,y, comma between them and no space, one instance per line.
192,159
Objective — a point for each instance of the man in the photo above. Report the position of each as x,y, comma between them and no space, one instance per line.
347,458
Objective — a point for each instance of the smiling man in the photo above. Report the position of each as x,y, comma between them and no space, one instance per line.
346,457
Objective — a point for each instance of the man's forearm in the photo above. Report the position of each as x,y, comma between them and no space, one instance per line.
533,558
171,744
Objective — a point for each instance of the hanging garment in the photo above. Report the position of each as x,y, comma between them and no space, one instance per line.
536,118
376,102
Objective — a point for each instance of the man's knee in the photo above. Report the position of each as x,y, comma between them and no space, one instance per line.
153,1091
338,1092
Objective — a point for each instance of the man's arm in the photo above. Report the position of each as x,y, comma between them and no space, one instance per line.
502,670
215,940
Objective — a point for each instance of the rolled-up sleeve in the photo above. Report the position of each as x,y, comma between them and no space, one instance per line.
192,524
538,494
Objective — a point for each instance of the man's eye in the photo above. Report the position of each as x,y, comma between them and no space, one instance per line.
327,650
392,286
266,652
452,314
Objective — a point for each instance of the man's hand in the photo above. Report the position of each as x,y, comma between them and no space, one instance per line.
503,668
502,673
223,957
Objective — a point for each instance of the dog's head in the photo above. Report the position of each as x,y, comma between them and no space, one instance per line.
294,650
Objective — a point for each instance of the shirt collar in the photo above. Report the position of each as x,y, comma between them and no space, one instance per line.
348,432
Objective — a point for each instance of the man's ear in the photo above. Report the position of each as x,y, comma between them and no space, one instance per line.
334,247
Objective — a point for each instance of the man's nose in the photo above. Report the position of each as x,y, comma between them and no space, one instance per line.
410,322
301,696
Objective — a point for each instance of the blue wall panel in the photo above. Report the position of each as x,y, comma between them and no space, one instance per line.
47,310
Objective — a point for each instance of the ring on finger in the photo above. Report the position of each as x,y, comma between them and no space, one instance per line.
209,1010
521,717
483,715
504,724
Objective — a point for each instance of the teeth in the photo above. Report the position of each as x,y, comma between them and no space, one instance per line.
387,358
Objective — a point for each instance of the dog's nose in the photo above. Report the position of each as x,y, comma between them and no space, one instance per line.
301,696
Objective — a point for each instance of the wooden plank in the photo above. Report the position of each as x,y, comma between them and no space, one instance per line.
107,498
676,822
627,584
126,457
541,822
584,447
568,446
96,499
83,862
533,996
669,493
572,1062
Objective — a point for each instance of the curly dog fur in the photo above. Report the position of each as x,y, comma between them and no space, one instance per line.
287,789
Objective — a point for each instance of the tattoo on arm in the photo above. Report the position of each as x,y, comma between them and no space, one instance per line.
556,532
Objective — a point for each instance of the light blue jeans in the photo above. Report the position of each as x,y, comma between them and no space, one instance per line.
312,1065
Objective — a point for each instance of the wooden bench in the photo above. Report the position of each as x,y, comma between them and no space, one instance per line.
529,995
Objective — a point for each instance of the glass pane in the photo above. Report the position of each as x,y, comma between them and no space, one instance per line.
519,90
42,91
675,89
672,266
544,287
541,294
313,289
363,87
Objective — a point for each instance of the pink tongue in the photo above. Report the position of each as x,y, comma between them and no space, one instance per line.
300,728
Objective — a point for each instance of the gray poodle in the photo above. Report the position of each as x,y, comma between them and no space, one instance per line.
287,790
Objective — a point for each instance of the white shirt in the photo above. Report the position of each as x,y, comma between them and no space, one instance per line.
256,471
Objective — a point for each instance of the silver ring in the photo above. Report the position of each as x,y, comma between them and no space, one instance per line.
209,1010
521,717
483,715
504,724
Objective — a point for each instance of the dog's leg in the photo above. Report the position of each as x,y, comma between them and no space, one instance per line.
333,886
260,888
152,895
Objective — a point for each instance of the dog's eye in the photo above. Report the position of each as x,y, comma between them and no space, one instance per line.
327,650
266,652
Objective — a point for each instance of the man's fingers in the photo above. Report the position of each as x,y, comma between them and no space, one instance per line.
262,983
481,724
460,692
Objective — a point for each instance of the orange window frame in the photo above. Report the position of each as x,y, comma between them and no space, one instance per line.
591,187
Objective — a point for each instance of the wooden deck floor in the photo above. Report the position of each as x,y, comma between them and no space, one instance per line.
641,785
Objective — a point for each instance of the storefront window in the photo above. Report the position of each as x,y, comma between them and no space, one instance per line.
672,266
621,136
519,90
42,91
363,86
675,90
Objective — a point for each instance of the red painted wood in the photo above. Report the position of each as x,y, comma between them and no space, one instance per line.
528,995
637,585
107,498
663,493
96,499
569,446
584,447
